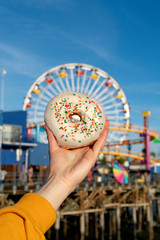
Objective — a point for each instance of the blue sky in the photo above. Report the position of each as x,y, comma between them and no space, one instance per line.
120,37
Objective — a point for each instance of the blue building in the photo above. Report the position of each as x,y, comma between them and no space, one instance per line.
17,147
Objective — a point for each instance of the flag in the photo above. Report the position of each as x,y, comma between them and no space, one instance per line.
3,72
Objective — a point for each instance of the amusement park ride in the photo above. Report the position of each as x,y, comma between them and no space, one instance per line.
84,78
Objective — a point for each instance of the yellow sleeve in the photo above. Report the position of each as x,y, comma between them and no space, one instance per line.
28,219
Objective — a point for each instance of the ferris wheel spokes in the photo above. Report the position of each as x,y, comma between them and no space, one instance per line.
60,80
108,101
86,88
93,86
99,87
40,108
83,81
52,90
113,106
110,94
57,87
45,90
78,79
44,97
81,78
113,112
68,85
72,80
105,90
42,103
119,117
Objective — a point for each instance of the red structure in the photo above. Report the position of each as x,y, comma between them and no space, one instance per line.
146,114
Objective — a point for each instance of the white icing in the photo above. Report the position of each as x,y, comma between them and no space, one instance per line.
75,119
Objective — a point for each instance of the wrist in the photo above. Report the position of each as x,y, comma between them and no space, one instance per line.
54,191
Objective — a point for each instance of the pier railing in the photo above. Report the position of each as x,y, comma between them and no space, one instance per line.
21,182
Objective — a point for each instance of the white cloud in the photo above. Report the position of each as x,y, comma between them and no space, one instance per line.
108,56
19,61
150,87
105,49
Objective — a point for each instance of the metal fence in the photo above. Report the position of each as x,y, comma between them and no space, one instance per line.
14,182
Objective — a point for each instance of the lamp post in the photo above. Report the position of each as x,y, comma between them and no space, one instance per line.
1,113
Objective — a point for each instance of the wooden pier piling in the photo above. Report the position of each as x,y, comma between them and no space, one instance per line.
102,221
102,207
82,224
134,216
87,224
118,215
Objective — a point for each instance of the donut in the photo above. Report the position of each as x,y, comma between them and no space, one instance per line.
75,119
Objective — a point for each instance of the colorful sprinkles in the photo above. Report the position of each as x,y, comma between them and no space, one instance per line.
91,116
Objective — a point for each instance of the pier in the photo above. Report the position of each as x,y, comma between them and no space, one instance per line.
95,206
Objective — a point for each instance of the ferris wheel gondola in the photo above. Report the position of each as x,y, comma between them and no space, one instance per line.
82,78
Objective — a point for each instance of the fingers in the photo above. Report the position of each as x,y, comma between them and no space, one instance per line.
102,139
107,131
52,142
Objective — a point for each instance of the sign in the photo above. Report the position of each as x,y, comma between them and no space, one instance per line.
156,140
11,133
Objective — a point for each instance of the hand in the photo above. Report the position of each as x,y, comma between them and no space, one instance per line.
68,167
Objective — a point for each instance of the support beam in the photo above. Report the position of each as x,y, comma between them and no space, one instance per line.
82,224
118,214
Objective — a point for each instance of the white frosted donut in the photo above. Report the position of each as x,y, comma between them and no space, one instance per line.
75,119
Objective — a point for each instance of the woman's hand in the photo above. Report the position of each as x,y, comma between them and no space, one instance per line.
68,167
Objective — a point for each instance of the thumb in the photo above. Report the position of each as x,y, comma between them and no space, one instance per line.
52,142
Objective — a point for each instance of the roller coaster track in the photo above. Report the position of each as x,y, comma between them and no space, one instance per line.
133,129
125,153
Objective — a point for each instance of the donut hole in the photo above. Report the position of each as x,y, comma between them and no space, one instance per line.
75,117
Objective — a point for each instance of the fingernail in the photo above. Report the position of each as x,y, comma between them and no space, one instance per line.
44,126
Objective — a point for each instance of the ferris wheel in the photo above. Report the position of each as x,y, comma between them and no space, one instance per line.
82,78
